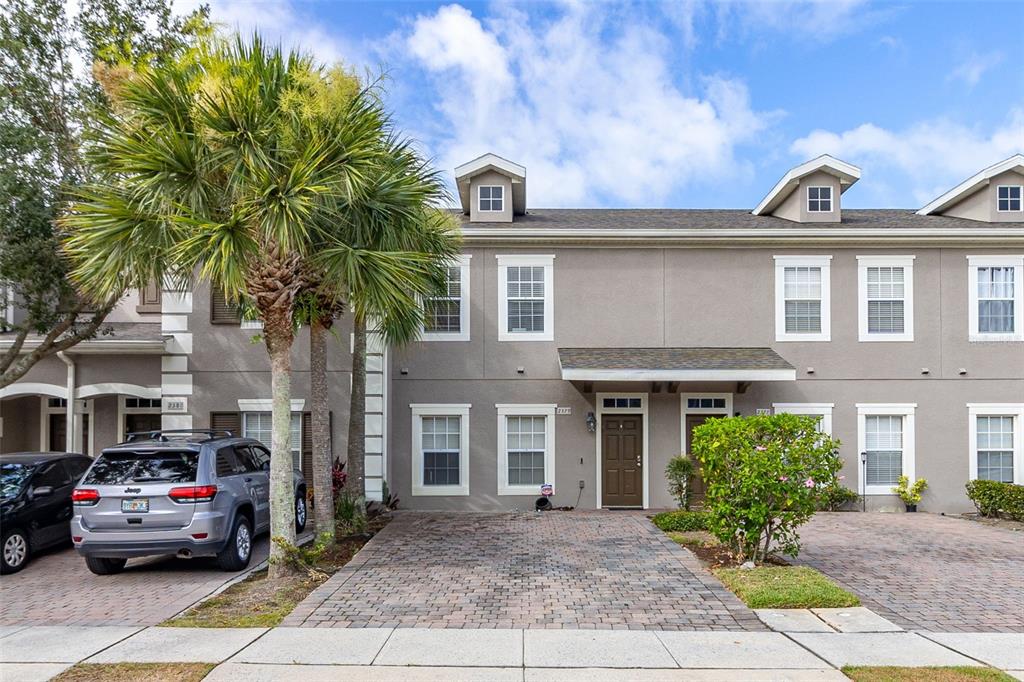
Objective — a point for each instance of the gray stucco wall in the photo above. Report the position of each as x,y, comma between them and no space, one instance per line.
707,297
21,424
982,204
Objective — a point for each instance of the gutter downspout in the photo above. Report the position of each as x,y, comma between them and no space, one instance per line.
71,427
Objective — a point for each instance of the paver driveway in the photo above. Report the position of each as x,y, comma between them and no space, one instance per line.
923,571
601,570
57,589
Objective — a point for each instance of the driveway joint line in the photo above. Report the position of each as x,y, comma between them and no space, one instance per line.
109,646
924,635
387,639
811,651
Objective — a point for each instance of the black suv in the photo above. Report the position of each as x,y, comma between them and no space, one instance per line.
35,503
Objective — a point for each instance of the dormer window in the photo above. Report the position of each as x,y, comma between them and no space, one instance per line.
492,198
1008,198
819,199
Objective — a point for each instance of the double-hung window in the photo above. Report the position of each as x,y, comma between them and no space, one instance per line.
526,448
996,298
821,411
885,434
819,199
259,425
492,198
446,315
1009,198
525,298
886,298
440,449
996,434
802,298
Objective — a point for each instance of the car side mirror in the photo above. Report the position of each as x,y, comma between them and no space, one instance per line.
266,466
42,491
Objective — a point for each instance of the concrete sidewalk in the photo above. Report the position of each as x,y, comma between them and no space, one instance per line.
411,654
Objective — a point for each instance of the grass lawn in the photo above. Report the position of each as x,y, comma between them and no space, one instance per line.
131,672
964,674
258,602
696,538
784,587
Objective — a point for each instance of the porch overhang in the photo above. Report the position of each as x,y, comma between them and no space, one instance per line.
675,365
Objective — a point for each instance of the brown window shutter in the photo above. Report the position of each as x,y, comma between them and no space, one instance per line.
307,442
222,312
149,299
226,421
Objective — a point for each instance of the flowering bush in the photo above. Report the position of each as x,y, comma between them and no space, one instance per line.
338,478
764,477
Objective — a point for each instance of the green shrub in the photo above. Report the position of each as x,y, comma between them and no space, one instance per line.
678,472
910,494
834,496
993,498
350,513
764,477
681,521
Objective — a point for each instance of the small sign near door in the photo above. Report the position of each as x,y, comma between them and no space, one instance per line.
563,410
175,405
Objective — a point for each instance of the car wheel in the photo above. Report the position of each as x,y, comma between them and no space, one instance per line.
300,513
237,552
101,566
14,551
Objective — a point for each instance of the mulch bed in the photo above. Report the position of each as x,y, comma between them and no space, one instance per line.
259,601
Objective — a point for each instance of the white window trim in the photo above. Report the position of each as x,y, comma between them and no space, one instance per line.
823,410
545,261
479,198
462,262
831,198
783,262
905,410
905,262
1015,410
81,407
1011,261
541,410
123,410
296,454
420,410
1010,210
642,410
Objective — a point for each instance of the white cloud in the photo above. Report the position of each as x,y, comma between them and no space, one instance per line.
974,67
929,157
590,106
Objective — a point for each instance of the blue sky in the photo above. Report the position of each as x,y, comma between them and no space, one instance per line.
685,104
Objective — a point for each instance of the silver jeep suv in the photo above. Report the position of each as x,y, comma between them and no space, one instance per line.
189,493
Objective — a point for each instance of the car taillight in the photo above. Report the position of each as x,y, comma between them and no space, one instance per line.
85,497
195,493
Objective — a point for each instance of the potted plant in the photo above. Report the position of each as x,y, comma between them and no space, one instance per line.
910,494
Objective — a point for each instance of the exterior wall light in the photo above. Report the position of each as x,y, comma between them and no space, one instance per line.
591,422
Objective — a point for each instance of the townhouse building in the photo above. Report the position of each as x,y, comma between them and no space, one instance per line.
579,348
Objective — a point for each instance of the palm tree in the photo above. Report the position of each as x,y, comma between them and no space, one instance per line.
232,167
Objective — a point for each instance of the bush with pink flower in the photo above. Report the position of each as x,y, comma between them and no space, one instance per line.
764,477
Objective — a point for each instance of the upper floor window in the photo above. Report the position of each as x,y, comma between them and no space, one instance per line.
997,453
802,298
819,199
446,315
996,302
440,449
1008,197
886,298
525,300
492,198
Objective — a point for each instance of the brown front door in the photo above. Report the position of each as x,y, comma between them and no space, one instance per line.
696,481
622,449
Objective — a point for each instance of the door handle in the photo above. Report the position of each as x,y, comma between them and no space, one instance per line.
639,461
248,479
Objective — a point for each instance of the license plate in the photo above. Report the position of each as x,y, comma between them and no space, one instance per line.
135,506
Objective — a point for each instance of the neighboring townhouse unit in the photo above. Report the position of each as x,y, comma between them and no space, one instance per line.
579,348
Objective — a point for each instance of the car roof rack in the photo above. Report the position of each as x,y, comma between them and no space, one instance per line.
161,434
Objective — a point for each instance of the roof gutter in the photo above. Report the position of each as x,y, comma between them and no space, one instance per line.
100,347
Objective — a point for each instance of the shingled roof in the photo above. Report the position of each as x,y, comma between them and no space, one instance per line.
674,364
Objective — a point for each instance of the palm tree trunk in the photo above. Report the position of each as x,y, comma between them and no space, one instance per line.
318,393
357,414
278,336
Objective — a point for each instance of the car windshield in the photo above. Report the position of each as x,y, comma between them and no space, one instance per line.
12,478
118,468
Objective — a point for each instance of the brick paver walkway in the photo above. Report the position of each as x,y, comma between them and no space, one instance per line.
57,589
587,570
923,571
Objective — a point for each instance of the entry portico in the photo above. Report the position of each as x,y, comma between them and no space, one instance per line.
622,418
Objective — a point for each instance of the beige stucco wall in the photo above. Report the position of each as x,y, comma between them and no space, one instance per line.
707,297
982,204
21,424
